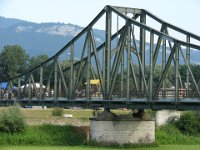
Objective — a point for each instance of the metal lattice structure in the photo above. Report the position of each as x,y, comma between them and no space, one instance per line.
126,77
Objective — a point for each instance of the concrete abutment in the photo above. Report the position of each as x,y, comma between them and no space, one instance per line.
109,128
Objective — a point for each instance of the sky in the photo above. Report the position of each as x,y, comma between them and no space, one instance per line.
182,13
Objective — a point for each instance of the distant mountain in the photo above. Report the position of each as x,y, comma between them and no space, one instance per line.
49,38
42,38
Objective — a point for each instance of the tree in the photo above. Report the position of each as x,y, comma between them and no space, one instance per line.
13,61
36,60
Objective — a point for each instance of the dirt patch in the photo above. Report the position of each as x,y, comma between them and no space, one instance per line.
57,121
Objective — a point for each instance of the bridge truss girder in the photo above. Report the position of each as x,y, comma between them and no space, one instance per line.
120,56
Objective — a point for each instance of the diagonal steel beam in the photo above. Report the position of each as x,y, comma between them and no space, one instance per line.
62,77
97,62
49,79
155,56
140,63
134,76
174,61
190,71
81,61
164,73
177,74
121,50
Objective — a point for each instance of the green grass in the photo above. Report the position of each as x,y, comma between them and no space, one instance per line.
77,113
45,135
169,134
162,147
47,113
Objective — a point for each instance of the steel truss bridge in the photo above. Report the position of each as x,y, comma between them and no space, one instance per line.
124,64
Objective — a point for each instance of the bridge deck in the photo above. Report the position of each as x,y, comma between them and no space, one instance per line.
183,104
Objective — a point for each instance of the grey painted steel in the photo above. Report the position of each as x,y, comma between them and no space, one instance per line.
122,73
88,68
177,73
59,87
163,65
140,65
125,17
71,71
62,77
128,61
56,80
108,52
49,80
121,50
142,49
81,62
174,61
114,104
188,61
155,56
134,76
163,75
151,66
97,62
41,82
190,72
171,26
109,71
129,10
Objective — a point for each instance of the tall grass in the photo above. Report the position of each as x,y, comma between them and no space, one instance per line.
170,134
45,135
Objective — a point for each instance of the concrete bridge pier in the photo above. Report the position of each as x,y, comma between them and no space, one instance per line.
108,128
162,116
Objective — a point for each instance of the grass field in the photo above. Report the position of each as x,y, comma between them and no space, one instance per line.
44,116
161,147
77,113
168,137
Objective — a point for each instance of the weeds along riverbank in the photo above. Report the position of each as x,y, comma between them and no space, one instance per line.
15,131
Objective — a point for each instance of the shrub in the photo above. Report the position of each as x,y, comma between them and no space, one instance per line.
57,112
189,123
170,134
12,120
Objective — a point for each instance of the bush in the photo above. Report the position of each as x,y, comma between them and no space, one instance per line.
57,112
12,120
170,134
189,123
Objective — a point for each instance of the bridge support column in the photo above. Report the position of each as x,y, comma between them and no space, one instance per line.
111,129
162,116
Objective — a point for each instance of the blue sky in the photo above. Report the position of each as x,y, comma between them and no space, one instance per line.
182,13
